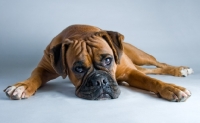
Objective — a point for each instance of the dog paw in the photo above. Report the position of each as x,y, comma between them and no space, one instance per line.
18,91
186,71
174,93
15,92
182,96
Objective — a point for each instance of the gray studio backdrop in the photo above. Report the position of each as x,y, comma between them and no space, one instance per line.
162,28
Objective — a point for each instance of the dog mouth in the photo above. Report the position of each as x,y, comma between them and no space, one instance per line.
103,97
99,85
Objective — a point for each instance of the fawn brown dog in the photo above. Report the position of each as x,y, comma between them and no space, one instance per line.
95,61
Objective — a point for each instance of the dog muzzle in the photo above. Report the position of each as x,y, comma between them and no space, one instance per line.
99,85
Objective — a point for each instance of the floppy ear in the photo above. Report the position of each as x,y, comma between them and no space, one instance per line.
117,39
58,60
114,39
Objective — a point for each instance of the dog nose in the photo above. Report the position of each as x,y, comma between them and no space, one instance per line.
97,80
100,82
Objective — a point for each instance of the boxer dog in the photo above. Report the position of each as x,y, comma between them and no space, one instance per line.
95,61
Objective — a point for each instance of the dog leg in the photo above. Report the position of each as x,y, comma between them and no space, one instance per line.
27,88
174,71
140,58
167,91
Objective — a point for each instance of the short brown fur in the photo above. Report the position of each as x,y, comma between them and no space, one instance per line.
129,69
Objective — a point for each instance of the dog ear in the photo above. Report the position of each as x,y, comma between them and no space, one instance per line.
117,40
58,58
114,39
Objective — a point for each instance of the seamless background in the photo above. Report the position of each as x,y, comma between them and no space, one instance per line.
168,30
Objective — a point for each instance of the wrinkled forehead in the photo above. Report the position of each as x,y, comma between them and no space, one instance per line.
85,50
98,46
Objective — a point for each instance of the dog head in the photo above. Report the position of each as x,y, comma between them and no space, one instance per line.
90,63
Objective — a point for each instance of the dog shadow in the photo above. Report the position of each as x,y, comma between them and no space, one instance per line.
66,88
137,90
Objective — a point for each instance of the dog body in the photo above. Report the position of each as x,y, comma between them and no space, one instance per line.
95,61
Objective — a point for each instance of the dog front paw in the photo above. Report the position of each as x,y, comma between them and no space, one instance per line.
19,91
174,93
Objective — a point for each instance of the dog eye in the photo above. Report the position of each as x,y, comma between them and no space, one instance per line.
108,61
79,69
